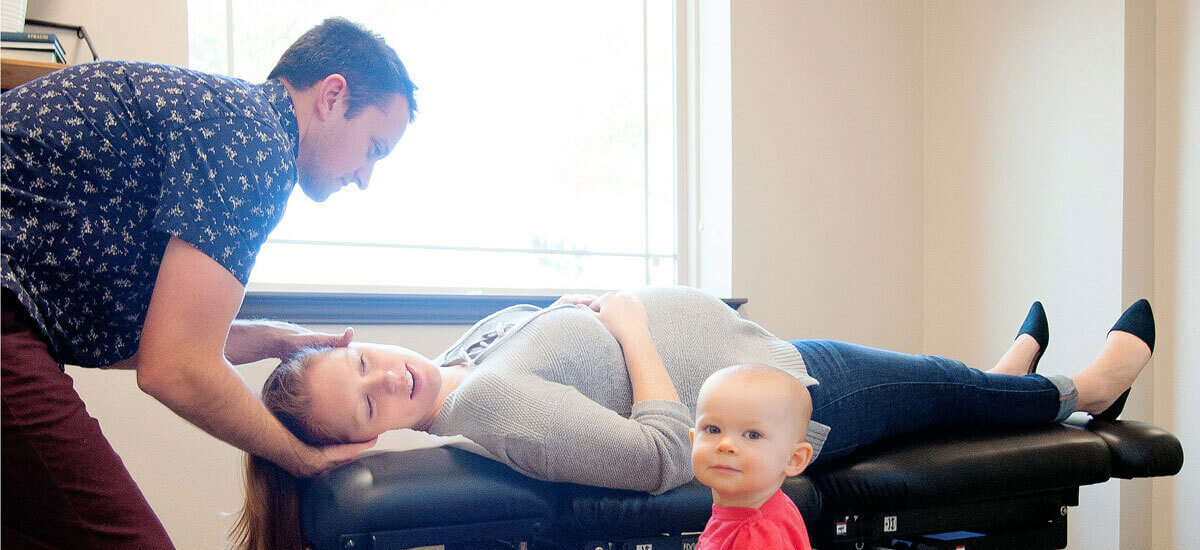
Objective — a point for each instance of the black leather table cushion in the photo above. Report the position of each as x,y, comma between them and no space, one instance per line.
1139,449
451,488
593,512
961,465
420,488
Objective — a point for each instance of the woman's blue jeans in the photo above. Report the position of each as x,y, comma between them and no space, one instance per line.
866,394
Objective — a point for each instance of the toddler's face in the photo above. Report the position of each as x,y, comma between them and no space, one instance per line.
744,441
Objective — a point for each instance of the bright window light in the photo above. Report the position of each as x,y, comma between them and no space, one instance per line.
542,158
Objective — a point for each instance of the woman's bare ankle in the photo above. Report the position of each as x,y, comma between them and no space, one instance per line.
1018,360
1120,362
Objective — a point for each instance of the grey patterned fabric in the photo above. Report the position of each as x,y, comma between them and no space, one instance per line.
551,398
103,162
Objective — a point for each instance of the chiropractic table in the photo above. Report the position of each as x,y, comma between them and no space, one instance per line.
968,488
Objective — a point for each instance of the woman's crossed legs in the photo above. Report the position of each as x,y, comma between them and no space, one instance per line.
866,394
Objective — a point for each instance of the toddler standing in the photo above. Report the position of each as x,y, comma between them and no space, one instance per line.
751,421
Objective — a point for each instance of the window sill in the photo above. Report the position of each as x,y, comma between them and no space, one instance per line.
387,309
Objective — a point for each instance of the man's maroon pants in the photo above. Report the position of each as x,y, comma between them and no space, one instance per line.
64,485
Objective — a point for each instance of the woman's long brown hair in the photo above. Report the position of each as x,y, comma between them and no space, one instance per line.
270,518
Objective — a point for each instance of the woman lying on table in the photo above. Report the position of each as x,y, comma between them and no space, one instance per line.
602,391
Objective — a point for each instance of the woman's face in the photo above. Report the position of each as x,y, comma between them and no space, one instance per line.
364,390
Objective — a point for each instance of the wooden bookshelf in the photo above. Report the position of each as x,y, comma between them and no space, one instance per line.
14,72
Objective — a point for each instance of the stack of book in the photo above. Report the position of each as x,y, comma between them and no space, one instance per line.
32,46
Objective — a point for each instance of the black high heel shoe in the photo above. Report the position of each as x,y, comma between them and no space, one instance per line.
1138,320
1036,326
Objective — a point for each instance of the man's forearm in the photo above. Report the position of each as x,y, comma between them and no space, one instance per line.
251,341
181,358
216,399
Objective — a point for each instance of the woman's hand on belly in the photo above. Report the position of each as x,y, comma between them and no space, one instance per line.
575,300
623,314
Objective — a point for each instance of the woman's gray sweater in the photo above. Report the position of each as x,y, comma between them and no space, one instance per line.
550,395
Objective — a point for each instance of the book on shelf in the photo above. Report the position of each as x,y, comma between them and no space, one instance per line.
44,56
33,46
11,36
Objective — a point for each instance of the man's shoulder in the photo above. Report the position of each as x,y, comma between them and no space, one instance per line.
155,86
135,71
173,79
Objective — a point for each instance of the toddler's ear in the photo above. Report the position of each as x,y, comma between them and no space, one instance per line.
799,459
692,436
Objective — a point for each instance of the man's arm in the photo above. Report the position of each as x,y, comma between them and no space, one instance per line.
250,341
181,362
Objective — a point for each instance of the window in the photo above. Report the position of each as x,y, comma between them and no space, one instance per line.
543,156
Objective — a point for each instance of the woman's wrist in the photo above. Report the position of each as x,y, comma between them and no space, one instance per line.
634,338
648,376
639,352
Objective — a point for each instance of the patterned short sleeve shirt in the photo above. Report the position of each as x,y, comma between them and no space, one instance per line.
103,162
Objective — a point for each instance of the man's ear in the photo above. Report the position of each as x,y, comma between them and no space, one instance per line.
801,454
331,96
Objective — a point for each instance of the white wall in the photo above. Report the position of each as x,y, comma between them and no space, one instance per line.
1061,140
1137,247
1023,188
827,169
139,30
1177,263
1023,149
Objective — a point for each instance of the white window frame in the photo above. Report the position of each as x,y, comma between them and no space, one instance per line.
703,239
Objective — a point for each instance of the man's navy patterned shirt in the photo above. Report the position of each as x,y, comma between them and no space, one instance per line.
103,162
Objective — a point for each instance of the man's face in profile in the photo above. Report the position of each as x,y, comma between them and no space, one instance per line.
339,150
